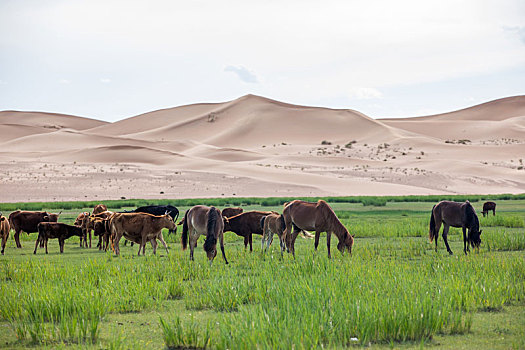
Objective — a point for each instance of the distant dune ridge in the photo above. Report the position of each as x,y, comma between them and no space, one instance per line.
254,146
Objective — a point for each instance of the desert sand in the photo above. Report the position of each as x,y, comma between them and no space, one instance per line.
254,146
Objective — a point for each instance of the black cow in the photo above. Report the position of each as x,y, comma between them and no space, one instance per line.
47,230
160,210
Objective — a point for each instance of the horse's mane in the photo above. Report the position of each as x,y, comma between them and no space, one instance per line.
470,216
211,234
333,221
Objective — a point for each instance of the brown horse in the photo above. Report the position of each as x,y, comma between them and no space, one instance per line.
488,206
272,224
456,215
318,217
203,220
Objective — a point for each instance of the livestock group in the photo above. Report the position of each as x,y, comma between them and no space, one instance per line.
145,224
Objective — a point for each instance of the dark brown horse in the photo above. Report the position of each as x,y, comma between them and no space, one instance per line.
203,220
456,215
488,206
318,217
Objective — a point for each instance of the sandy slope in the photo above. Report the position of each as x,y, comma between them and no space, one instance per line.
254,146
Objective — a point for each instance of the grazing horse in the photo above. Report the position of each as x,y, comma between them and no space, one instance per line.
456,215
203,220
488,206
318,217
4,230
272,224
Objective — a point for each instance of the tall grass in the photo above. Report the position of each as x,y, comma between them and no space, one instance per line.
503,220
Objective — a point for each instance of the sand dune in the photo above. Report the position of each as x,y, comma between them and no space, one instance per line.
258,146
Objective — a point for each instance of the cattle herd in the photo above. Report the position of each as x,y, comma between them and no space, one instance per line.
145,224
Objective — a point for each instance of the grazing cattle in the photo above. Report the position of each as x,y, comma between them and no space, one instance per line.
101,229
139,228
28,221
100,208
246,224
456,215
160,210
78,222
203,220
48,230
4,230
272,224
488,206
318,217
229,212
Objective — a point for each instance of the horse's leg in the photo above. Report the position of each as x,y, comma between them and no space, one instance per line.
328,237
437,227
45,242
445,234
89,239
221,240
270,240
493,212
295,233
465,243
317,235
192,246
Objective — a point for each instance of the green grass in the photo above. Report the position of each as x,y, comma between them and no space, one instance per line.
393,291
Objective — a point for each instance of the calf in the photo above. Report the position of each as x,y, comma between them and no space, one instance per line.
4,230
101,229
48,230
78,222
28,221
100,208
272,224
139,228
160,210
87,224
246,224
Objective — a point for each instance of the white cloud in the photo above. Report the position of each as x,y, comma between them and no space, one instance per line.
64,81
242,73
105,80
364,93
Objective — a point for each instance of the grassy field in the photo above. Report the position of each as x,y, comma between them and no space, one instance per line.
394,291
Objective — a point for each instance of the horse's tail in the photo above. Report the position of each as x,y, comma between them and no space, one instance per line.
211,237
262,223
432,232
185,231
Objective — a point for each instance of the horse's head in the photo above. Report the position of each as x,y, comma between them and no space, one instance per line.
346,244
474,236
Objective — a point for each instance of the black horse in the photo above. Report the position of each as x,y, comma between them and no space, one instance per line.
456,215
160,210
488,206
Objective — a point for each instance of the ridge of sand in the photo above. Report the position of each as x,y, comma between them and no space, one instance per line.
255,146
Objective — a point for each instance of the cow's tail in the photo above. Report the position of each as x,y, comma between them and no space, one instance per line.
185,231
432,230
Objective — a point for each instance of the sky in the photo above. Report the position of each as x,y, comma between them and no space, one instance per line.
111,60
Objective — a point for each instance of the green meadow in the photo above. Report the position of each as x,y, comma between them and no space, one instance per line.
394,291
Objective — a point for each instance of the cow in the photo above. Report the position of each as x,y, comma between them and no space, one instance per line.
78,222
28,221
246,224
229,212
101,229
160,210
48,230
139,228
99,209
4,230
87,224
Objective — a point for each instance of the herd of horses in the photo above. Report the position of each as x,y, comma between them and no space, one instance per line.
145,224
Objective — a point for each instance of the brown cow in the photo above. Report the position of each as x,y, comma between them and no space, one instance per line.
28,221
78,222
4,230
48,230
100,208
101,229
139,228
87,223
229,212
246,224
